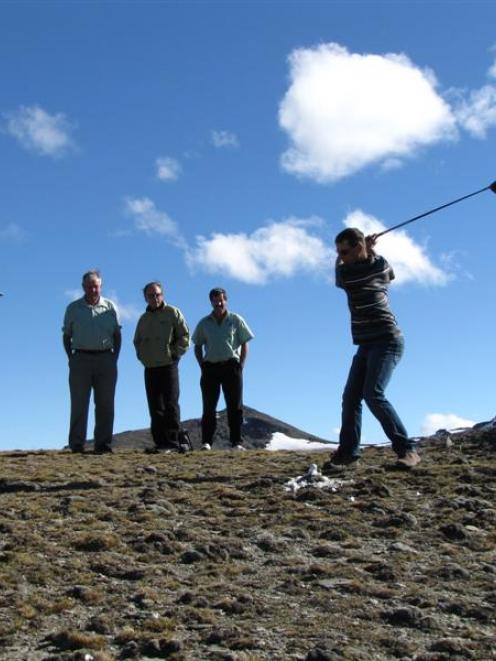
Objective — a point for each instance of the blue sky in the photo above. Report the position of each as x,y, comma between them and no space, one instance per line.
225,144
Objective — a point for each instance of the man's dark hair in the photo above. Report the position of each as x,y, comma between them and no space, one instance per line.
353,235
216,291
155,283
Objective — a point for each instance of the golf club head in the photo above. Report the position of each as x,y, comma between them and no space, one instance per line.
493,187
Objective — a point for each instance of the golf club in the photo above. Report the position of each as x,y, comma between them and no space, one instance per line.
443,206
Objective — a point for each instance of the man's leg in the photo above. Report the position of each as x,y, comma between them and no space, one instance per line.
232,387
104,382
210,389
351,416
80,389
170,393
382,359
155,404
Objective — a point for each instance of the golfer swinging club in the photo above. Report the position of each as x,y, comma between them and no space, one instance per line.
365,277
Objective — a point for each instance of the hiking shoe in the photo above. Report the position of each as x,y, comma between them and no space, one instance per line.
237,447
206,446
339,463
409,460
78,449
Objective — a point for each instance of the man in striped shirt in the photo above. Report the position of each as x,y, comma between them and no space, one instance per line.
365,277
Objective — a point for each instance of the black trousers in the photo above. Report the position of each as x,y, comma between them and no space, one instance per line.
227,375
162,393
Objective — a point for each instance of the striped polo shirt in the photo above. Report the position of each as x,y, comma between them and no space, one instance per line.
365,284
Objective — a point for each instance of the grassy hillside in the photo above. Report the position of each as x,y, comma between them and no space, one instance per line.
206,556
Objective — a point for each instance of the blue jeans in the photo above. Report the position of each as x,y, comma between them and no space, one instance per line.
370,372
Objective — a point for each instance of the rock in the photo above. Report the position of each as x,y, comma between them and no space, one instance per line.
319,654
454,531
189,557
452,646
409,616
452,571
402,547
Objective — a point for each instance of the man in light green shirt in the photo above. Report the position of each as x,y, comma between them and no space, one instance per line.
221,347
92,342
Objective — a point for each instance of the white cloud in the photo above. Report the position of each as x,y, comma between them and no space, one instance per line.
278,250
224,139
477,113
38,131
149,219
127,312
344,111
12,232
434,421
168,169
408,259
74,294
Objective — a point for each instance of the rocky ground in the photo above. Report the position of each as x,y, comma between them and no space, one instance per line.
207,556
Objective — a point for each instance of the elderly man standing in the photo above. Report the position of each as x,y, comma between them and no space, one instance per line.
92,341
161,338
221,347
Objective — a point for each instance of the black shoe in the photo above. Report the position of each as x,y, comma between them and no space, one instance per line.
78,449
104,449
161,449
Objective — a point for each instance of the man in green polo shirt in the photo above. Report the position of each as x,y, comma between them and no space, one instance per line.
221,347
92,341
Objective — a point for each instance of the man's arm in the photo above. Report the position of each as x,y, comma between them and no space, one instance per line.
117,342
181,337
67,344
199,353
243,354
370,242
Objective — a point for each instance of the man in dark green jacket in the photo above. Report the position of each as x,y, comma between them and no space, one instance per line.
161,338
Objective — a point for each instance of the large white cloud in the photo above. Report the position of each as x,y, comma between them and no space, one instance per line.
408,259
39,131
279,250
345,110
435,421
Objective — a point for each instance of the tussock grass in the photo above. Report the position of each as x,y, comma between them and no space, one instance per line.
205,556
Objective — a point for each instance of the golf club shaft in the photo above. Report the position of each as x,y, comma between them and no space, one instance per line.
443,206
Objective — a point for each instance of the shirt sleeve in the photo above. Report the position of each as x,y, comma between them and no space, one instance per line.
244,332
389,269
198,337
339,280
67,324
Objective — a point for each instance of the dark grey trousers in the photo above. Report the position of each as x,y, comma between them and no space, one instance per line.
87,372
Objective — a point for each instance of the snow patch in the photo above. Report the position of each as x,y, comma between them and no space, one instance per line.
280,441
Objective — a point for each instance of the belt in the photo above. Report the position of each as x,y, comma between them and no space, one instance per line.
221,362
93,352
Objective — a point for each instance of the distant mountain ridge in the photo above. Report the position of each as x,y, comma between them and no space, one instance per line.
257,432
